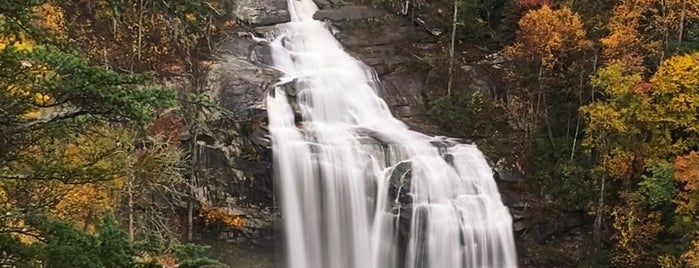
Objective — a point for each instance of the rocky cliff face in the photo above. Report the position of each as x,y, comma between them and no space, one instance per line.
234,154
407,53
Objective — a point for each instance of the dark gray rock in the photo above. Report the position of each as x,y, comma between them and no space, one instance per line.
507,171
325,4
350,13
382,35
425,13
388,43
519,226
234,156
260,12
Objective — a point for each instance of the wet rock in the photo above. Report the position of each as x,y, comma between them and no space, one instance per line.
261,12
350,13
388,43
234,167
399,184
325,4
519,226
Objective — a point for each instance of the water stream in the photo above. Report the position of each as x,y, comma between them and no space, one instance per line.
358,189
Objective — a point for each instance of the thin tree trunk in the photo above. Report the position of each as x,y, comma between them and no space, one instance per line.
597,228
129,189
577,121
451,50
140,29
682,17
192,183
548,125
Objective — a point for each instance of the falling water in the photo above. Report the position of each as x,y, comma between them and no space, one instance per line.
360,190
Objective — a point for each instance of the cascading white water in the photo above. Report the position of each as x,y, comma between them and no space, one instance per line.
360,190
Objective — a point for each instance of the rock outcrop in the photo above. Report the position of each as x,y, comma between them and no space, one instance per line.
385,42
234,155
233,160
259,12
407,55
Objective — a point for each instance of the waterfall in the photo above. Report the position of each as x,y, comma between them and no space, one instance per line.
358,189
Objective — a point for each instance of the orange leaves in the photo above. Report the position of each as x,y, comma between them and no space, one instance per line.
168,126
687,171
545,35
624,43
213,214
687,211
641,29
82,204
691,256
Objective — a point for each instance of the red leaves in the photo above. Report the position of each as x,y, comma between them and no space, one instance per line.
168,126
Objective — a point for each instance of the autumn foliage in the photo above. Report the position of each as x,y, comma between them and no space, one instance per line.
87,133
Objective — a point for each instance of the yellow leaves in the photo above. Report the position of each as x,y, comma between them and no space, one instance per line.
635,231
51,18
616,81
691,256
3,197
20,42
545,34
658,109
618,164
669,261
641,29
604,118
671,104
677,74
42,99
213,214
82,204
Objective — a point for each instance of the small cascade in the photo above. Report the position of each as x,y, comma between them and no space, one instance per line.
358,189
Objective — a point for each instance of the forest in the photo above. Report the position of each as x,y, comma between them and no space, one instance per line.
600,108
91,164
601,113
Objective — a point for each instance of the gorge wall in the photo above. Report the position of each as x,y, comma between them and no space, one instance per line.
407,51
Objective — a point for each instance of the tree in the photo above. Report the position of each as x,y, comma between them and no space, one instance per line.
640,31
546,45
634,128
686,219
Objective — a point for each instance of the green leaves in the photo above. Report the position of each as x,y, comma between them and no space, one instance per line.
193,256
658,189
468,115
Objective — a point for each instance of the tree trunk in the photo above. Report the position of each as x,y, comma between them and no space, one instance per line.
577,121
682,17
129,189
597,227
192,183
451,50
140,29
